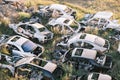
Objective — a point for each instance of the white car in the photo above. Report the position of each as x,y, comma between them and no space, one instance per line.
64,25
20,46
58,10
34,31
85,40
39,69
96,76
101,20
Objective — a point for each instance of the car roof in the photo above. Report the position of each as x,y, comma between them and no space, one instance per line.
58,6
95,39
86,53
90,37
100,76
103,14
62,20
37,25
18,40
50,67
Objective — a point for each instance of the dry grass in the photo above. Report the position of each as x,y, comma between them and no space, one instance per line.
23,15
81,8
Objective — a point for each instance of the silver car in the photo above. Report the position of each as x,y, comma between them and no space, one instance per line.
57,10
34,31
85,40
20,46
101,20
64,25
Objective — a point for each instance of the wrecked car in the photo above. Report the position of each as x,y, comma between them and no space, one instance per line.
34,31
56,10
38,69
64,25
20,46
101,20
88,59
85,40
96,76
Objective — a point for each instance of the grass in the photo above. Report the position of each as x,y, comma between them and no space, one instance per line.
90,7
23,15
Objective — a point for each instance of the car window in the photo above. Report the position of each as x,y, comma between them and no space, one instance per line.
83,36
39,62
66,29
30,29
76,44
13,47
23,26
15,39
103,20
95,76
42,29
93,22
79,52
66,21
87,45
57,28
68,10
103,23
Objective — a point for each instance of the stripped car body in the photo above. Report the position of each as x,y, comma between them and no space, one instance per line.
101,20
33,31
64,25
85,40
38,69
96,76
88,59
20,46
57,10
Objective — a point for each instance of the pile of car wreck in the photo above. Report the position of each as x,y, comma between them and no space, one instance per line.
23,52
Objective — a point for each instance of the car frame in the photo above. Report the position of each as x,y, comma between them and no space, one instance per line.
88,59
101,20
20,46
38,68
79,39
64,25
97,76
57,10
32,31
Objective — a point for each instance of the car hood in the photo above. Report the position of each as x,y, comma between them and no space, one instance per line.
95,39
24,61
